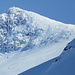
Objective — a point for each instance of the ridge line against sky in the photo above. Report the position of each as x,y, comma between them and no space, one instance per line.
60,10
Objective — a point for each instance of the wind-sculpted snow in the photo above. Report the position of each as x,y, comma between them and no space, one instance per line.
24,29
28,39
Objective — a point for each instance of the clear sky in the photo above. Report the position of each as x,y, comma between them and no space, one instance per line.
60,10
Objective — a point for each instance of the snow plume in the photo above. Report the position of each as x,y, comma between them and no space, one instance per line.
28,39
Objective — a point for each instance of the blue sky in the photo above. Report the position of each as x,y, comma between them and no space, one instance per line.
60,10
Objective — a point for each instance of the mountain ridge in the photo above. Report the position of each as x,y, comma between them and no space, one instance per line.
29,39
22,25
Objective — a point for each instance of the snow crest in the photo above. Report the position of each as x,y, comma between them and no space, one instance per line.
28,39
24,29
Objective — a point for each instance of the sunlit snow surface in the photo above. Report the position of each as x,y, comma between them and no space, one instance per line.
28,39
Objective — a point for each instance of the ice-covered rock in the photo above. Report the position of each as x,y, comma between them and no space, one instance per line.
24,29
28,39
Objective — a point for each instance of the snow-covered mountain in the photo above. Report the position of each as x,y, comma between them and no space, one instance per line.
28,39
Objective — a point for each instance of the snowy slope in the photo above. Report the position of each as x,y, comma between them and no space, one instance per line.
28,39
66,62
63,65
